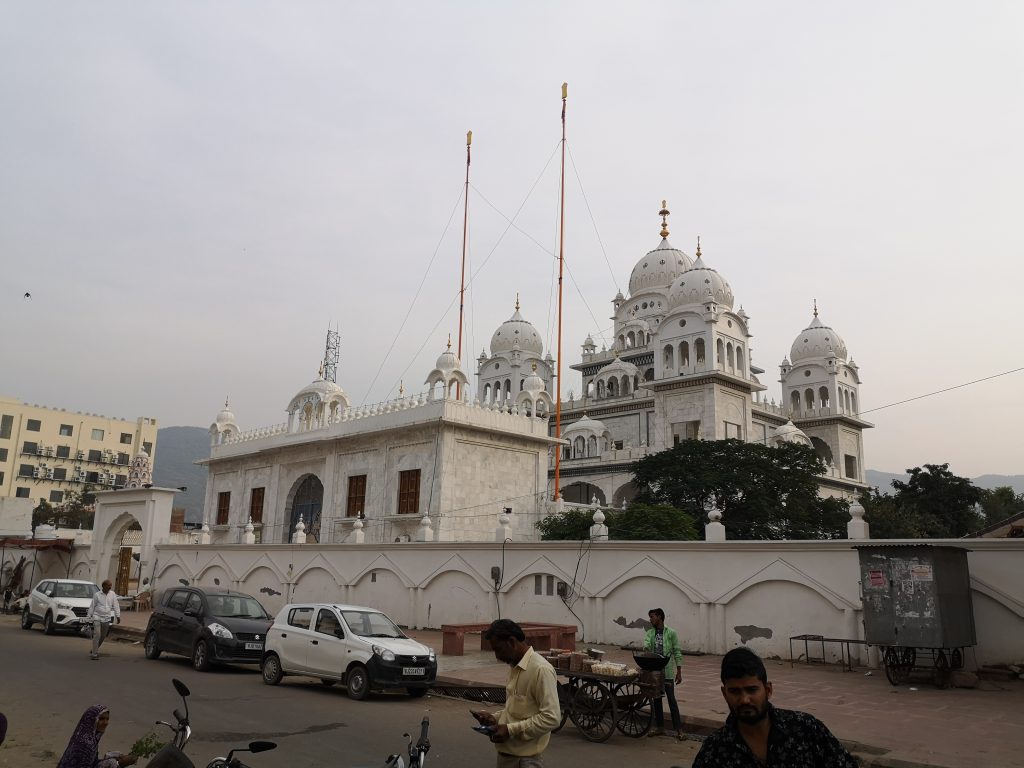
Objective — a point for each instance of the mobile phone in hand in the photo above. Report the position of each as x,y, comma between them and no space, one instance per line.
485,729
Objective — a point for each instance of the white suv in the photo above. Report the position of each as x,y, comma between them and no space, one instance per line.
359,647
60,604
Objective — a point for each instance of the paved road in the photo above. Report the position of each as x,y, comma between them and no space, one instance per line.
49,681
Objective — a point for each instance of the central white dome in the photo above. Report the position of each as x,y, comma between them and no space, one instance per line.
513,330
658,268
817,340
699,284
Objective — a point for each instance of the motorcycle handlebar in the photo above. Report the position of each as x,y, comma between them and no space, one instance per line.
424,726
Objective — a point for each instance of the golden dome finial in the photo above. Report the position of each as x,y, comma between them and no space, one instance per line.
698,246
449,342
534,366
815,307
664,212
401,388
517,301
321,369
225,402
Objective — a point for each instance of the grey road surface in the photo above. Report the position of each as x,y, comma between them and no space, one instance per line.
47,682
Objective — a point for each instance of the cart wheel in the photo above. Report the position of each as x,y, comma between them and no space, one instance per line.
564,703
594,711
908,658
891,660
635,715
956,660
942,674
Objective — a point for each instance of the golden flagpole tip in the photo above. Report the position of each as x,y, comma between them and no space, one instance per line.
469,138
565,90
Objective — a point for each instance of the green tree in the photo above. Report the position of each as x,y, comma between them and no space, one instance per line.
997,504
764,492
647,522
888,520
944,502
77,509
43,513
639,522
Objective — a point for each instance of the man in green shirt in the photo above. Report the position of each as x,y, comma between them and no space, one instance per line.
665,641
521,730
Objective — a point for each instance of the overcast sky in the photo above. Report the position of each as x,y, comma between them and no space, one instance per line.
193,192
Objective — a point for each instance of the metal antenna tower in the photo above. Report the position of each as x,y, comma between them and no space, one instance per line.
331,352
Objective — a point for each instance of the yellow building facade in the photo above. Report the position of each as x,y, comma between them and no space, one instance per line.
47,452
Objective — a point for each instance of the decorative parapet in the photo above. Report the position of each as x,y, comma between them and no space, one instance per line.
391,414
611,456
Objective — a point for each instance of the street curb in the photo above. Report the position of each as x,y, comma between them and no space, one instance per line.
121,632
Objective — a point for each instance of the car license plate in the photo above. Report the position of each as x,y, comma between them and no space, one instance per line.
254,646
413,671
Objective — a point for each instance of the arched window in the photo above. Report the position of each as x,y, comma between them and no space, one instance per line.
729,358
649,374
487,393
600,389
630,340
794,401
613,387
720,349
698,351
508,389
684,354
522,383
739,359
624,386
622,341
669,358
592,446
846,399
853,402
590,388
579,446
636,382
809,398
823,397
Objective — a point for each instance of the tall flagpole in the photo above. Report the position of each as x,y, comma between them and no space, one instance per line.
462,279
561,262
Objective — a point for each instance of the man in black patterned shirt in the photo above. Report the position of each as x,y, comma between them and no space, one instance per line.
757,735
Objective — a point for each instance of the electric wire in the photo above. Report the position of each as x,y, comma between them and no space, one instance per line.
586,202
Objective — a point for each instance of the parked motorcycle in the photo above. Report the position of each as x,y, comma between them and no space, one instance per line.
172,755
417,752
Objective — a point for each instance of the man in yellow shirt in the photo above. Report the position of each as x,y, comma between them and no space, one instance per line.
523,728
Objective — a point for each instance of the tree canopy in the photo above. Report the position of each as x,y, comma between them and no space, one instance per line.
932,504
640,522
763,492
997,504
77,510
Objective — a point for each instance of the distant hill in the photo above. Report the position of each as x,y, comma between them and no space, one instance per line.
883,480
176,450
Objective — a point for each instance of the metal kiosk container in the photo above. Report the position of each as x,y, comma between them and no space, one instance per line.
917,607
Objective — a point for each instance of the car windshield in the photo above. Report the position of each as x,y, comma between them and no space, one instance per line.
236,607
371,624
75,590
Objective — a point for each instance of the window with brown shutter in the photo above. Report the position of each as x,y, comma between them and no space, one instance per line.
223,506
356,495
256,505
409,492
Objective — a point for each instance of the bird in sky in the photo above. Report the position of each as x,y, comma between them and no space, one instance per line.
27,296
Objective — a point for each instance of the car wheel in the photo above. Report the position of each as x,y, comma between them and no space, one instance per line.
152,649
271,669
328,683
26,619
358,683
416,693
48,628
201,657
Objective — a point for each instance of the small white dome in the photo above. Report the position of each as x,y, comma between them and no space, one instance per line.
699,284
619,367
514,330
319,390
533,383
448,361
790,433
817,340
658,268
225,416
587,425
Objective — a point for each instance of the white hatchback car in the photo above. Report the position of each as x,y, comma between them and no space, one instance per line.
60,604
359,647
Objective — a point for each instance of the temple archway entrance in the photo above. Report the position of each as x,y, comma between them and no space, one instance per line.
307,501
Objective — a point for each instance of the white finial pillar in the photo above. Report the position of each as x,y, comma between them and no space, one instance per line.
204,533
358,534
598,531
504,529
300,532
714,530
858,527
426,531
249,537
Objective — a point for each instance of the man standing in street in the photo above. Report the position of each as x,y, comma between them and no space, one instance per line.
665,641
757,735
523,728
102,610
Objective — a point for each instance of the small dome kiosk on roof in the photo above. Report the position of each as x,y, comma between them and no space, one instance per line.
699,284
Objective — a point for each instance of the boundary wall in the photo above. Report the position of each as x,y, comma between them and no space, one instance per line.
717,595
